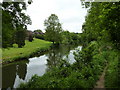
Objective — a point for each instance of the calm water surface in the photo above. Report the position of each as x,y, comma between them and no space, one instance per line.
22,71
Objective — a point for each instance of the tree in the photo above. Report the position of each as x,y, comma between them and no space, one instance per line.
7,30
13,20
53,29
102,22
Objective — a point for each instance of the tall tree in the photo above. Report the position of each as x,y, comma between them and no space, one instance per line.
53,29
13,21
7,30
102,22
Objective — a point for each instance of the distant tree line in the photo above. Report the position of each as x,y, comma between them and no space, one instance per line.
56,34
71,38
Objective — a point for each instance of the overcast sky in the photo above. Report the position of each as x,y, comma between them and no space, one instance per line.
70,13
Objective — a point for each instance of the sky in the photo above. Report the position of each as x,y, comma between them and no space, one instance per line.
70,13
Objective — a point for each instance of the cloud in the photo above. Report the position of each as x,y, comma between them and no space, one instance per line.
70,13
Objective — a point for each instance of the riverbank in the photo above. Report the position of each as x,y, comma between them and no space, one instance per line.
15,53
83,73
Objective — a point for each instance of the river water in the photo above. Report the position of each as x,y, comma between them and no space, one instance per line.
15,73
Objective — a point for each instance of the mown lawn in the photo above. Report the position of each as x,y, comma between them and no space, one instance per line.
14,53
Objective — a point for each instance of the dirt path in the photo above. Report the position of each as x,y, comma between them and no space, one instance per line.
100,82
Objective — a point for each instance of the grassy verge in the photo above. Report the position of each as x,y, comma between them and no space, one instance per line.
14,53
112,74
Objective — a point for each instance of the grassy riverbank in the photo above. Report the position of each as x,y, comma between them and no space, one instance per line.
15,53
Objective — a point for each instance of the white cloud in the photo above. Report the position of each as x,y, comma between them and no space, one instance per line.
70,13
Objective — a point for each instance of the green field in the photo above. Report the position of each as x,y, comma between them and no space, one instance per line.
15,53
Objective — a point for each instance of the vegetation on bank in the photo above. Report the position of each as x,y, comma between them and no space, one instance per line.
15,53
84,73
112,77
102,25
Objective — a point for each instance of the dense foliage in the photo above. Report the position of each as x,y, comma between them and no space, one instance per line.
102,22
14,23
103,25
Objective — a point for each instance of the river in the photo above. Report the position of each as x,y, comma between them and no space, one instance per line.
21,71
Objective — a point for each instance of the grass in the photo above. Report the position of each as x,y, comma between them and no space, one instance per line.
15,53
112,77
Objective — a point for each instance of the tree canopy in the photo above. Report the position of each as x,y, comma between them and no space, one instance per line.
53,29
14,21
102,22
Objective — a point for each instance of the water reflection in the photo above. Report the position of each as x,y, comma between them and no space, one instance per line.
9,73
70,56
15,73
59,53
36,65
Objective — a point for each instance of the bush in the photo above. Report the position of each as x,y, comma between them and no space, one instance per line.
111,77
84,73
39,36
